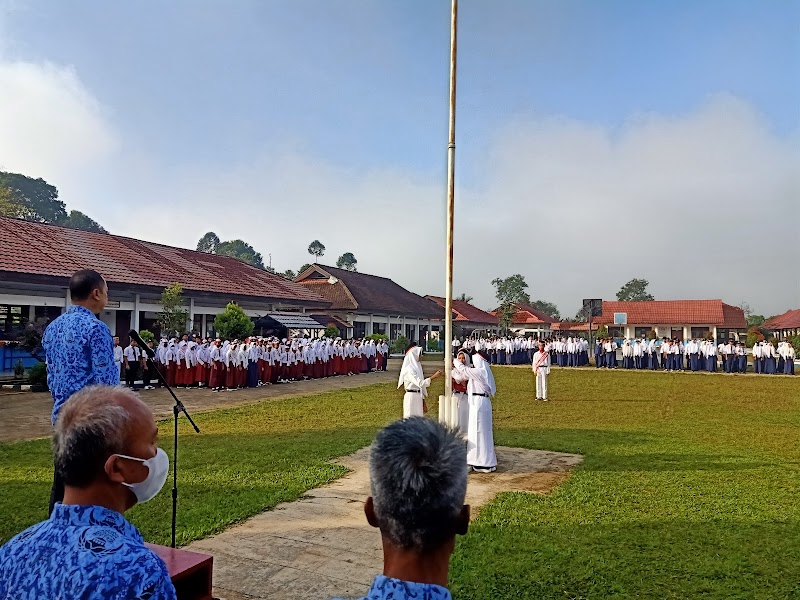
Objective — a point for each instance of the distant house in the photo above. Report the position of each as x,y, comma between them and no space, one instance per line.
469,319
785,325
681,319
368,304
37,260
528,320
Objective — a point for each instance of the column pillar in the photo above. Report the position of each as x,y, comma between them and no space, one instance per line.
67,302
135,315
203,332
686,332
31,313
191,314
370,324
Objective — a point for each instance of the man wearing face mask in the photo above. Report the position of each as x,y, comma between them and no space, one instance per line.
106,454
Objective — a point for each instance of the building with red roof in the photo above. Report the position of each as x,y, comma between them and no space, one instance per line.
37,261
785,325
528,320
369,304
469,319
681,319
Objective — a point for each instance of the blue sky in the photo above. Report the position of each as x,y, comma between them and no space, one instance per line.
352,95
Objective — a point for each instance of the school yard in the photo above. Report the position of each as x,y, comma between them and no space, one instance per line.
688,485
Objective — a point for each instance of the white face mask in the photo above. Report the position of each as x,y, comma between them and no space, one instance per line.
158,469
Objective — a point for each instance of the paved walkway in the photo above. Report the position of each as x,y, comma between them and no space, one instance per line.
321,546
26,415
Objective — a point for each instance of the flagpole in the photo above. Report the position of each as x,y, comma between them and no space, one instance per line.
448,415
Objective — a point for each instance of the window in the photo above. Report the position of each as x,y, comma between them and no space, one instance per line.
379,328
359,330
395,331
699,332
410,333
641,332
12,320
615,332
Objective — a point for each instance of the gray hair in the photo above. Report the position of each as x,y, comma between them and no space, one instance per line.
418,479
91,426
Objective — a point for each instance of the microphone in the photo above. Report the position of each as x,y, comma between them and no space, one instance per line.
134,335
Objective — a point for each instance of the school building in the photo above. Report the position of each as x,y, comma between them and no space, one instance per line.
365,304
37,261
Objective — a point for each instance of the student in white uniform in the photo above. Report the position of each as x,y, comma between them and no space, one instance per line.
460,380
480,440
414,382
118,356
541,370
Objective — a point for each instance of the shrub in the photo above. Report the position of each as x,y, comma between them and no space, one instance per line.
332,331
147,336
233,323
399,345
378,337
602,331
433,345
19,370
37,375
795,342
651,335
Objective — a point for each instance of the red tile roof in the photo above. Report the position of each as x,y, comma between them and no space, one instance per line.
788,320
675,312
49,250
366,293
571,326
466,312
527,315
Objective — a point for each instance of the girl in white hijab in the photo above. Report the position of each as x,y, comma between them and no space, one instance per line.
480,440
460,390
415,383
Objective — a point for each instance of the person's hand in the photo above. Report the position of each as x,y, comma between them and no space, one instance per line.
127,367
424,406
437,374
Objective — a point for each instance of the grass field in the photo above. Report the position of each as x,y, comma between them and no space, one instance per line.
689,486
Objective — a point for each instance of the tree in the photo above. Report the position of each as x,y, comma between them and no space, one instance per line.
634,291
582,316
755,320
208,243
172,318
303,268
39,198
347,261
465,298
146,335
10,206
289,274
510,291
332,331
241,250
78,220
547,308
316,249
233,323
602,332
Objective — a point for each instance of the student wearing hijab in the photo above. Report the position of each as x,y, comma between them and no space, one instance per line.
460,390
415,383
480,440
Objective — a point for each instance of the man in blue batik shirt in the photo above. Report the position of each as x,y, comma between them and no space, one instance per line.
106,453
418,480
79,348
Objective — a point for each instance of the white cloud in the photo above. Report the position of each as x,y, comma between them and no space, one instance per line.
703,204
50,124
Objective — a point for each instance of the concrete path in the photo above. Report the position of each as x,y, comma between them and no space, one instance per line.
321,546
26,415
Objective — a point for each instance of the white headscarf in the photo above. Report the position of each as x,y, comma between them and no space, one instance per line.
457,363
411,365
486,373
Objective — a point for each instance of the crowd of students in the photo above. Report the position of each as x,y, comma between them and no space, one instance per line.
253,362
652,354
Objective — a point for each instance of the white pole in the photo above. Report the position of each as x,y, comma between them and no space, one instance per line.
449,413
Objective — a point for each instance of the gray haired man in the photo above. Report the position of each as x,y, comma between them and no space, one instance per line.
107,456
418,479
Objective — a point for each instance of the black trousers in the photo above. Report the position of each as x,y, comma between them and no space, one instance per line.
131,374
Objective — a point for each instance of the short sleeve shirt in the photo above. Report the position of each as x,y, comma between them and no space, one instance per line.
386,588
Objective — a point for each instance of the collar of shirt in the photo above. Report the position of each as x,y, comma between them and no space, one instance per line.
386,588
76,515
72,308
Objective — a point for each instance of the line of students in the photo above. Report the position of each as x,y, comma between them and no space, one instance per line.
223,365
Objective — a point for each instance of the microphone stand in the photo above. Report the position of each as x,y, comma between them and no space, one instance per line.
176,410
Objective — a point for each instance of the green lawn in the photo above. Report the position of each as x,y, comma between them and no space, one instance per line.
689,486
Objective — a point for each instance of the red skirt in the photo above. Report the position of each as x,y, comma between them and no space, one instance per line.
230,377
217,377
172,369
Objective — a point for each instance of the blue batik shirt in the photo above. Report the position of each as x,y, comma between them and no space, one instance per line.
386,588
80,352
82,552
